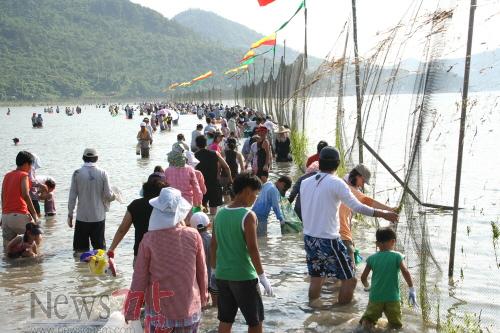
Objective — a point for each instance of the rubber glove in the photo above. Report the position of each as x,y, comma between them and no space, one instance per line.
412,297
268,290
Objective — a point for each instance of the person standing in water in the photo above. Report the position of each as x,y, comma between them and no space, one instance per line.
326,255
17,207
210,164
144,140
90,185
235,259
356,179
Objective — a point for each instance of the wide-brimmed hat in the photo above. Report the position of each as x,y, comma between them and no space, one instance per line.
282,129
191,159
176,159
364,172
169,209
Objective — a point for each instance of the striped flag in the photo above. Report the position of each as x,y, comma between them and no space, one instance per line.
268,40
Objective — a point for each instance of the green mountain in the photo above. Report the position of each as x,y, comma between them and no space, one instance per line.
83,48
231,34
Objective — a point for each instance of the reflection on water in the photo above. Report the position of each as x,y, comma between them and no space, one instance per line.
60,145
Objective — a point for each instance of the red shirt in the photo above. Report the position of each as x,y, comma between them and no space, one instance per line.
312,159
12,201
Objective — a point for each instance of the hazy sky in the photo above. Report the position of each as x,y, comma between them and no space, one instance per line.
326,19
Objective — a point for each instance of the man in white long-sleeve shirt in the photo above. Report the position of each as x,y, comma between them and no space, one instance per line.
326,255
90,185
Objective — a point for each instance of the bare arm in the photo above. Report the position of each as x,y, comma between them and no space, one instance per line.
224,165
240,161
364,276
267,148
25,194
213,249
251,240
406,274
378,205
122,231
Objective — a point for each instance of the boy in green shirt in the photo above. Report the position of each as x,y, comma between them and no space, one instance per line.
384,292
235,258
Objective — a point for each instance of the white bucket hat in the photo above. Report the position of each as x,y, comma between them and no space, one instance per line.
191,159
169,208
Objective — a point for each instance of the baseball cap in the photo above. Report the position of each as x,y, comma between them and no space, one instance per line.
90,152
329,153
199,220
143,124
364,172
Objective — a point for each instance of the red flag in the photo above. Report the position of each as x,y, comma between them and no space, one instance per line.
263,3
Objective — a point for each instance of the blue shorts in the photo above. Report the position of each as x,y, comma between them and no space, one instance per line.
327,258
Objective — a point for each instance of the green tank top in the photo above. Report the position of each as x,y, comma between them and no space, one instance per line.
233,260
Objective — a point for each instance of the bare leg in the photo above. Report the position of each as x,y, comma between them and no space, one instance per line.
315,288
225,327
346,291
255,329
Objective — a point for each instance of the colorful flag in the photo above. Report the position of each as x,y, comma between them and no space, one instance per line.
249,61
263,3
185,84
203,77
268,40
236,69
173,86
248,55
302,5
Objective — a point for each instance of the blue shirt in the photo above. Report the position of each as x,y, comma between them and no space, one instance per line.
269,197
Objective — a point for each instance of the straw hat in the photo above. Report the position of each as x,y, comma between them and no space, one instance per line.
282,130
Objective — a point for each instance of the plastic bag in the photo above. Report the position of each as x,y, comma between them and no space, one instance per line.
292,224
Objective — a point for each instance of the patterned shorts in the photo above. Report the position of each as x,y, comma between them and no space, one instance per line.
327,258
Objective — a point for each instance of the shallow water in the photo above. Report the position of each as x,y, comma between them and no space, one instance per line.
60,145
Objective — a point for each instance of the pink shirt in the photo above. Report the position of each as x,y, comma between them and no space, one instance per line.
215,147
197,200
184,179
174,258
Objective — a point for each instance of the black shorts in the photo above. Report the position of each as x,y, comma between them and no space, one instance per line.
89,230
243,295
213,196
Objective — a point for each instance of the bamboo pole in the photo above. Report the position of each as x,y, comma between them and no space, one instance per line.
358,88
304,69
465,93
400,181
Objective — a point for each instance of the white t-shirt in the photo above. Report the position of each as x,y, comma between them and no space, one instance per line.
320,198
